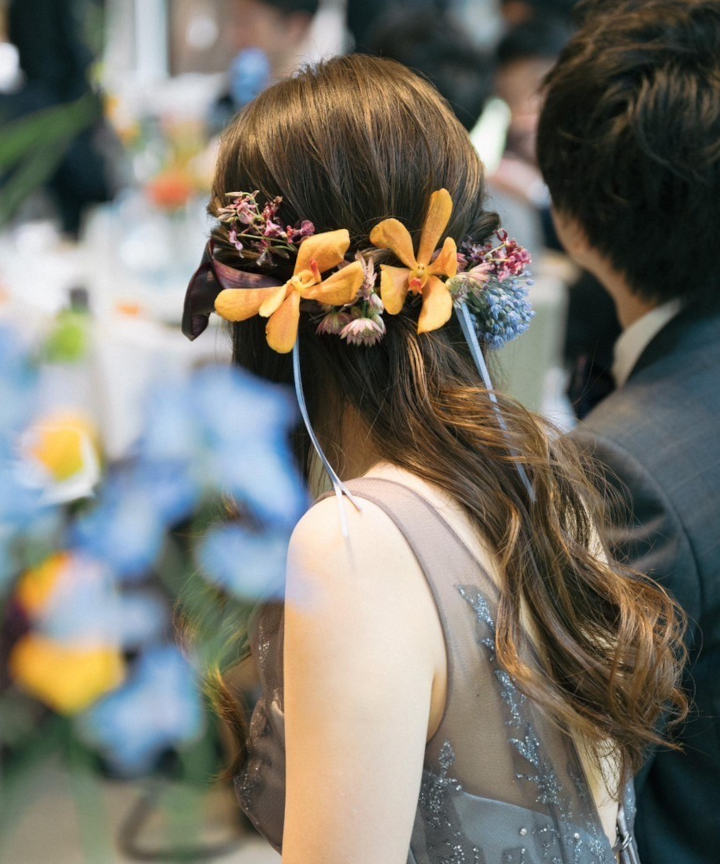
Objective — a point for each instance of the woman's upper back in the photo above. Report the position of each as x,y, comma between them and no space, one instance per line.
498,781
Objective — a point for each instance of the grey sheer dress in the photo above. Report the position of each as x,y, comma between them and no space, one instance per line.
501,784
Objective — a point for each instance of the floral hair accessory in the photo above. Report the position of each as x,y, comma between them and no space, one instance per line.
493,285
281,304
483,283
258,233
422,271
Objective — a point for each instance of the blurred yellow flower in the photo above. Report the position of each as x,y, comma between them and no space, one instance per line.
37,586
63,444
67,678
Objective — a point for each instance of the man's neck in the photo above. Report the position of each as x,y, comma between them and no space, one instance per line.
630,308
628,305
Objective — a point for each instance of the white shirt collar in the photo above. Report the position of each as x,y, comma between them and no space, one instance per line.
634,340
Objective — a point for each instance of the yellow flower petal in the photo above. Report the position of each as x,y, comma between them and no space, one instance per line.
436,221
59,444
68,678
393,235
340,288
273,301
282,328
239,304
446,262
37,586
327,250
437,306
393,288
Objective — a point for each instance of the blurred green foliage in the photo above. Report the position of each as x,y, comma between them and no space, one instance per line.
31,148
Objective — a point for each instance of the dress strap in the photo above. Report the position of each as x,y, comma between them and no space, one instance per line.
436,545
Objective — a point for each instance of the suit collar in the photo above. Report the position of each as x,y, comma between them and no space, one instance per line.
692,330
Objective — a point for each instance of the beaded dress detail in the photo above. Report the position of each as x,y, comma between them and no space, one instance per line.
501,784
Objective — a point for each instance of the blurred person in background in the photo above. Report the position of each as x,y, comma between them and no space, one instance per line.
56,61
270,37
525,55
363,17
442,677
628,144
278,28
516,12
432,43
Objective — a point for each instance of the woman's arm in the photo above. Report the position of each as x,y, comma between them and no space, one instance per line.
364,673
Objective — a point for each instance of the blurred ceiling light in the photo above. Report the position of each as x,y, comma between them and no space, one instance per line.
202,31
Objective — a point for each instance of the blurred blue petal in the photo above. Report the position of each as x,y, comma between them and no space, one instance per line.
222,431
235,407
21,500
88,606
126,530
160,707
246,564
169,486
264,477
170,430
250,74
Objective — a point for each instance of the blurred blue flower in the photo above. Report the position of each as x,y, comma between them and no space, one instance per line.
250,74
126,528
249,565
220,432
226,431
160,707
87,605
20,501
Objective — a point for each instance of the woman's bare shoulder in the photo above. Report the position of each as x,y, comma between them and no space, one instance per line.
372,544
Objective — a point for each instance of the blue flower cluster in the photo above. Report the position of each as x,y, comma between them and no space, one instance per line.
158,707
501,311
218,433
221,432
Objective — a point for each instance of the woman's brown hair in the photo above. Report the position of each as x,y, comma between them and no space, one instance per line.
359,139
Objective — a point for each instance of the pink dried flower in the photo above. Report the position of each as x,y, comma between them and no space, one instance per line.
503,261
377,307
272,229
271,208
233,239
368,287
481,272
333,323
364,331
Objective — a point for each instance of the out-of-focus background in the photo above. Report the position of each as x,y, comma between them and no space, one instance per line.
114,596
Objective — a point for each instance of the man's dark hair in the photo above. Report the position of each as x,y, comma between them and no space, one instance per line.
290,6
629,141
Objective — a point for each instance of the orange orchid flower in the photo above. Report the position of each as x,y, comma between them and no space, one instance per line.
281,304
421,273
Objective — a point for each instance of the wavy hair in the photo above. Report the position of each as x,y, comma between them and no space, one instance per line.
346,144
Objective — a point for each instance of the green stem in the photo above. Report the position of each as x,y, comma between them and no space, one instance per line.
92,819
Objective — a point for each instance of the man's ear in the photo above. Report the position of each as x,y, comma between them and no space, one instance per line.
573,238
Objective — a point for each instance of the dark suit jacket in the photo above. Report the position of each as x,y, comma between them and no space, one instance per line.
660,434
